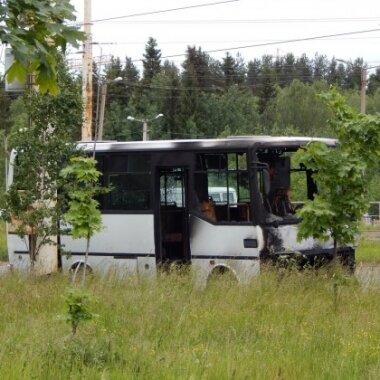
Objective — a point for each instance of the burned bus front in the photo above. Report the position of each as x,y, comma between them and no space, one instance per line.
283,186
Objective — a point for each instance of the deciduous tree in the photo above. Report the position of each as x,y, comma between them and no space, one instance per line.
35,29
339,174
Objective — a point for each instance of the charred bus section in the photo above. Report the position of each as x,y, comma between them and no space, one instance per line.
283,187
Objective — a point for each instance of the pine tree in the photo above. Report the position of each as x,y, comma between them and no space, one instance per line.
151,61
304,71
288,70
354,73
335,73
198,64
131,79
253,73
320,67
267,83
233,70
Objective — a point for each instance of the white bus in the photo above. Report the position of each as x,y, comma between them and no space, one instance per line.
145,227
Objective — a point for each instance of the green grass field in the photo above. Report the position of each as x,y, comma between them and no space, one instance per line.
282,326
3,243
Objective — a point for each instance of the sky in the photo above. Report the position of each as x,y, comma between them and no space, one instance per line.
232,25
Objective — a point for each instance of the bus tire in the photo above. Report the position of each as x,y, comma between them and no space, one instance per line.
222,273
76,271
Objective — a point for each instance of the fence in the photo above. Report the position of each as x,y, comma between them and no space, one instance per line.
373,213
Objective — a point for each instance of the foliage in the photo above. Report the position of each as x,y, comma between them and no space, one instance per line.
232,113
297,106
339,173
35,29
83,214
42,148
281,91
78,308
151,61
81,177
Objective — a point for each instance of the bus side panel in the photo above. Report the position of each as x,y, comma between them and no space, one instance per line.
18,252
235,247
125,240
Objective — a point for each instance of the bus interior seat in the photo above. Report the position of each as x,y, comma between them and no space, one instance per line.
208,210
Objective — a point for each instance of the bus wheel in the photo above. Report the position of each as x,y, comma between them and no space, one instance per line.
223,274
76,272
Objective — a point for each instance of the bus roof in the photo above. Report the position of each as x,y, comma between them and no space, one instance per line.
236,142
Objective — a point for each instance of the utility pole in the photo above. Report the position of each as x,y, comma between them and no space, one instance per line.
101,106
103,96
87,75
363,90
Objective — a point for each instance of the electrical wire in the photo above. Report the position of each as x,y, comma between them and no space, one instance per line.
280,42
164,11
253,21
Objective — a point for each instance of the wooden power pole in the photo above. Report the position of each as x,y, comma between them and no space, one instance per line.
87,75
363,88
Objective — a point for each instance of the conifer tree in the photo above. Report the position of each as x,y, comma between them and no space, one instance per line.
151,61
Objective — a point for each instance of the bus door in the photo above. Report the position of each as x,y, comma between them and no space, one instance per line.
172,234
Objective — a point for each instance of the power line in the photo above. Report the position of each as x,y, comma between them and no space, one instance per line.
253,21
165,11
137,42
280,42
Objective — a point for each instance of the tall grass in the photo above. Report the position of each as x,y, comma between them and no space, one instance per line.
3,242
283,325
368,250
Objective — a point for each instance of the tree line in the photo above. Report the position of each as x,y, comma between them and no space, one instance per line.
205,97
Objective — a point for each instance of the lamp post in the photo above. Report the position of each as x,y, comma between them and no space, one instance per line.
145,124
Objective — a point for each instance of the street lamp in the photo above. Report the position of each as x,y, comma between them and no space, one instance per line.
145,124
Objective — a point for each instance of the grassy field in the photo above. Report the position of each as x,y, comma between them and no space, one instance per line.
281,326
368,251
3,243
284,325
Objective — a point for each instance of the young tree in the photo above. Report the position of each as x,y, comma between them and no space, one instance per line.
42,148
35,29
83,215
339,174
